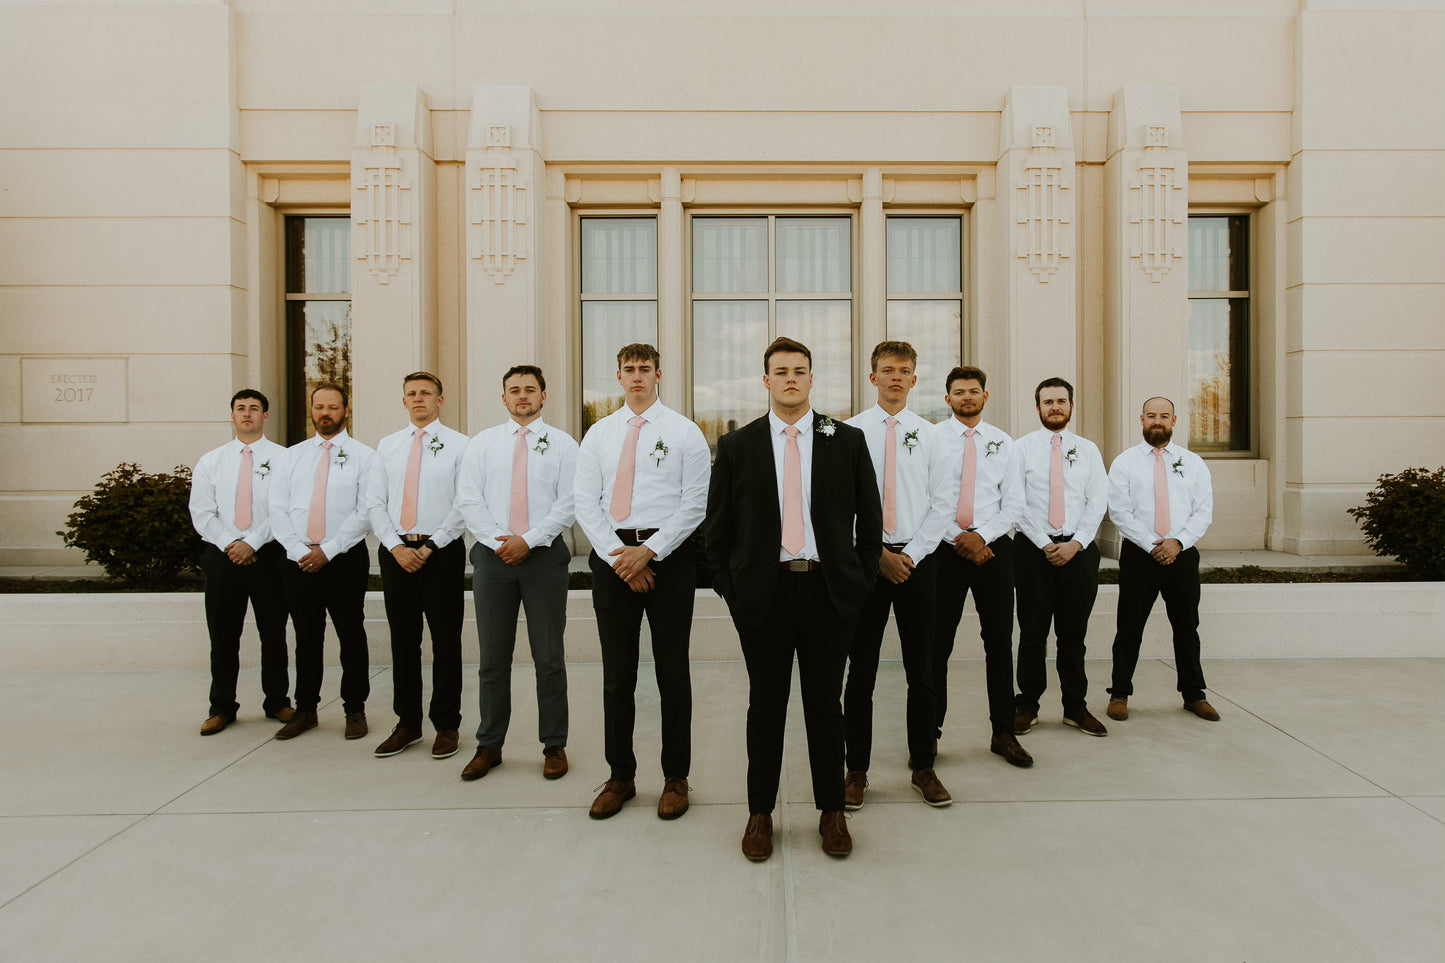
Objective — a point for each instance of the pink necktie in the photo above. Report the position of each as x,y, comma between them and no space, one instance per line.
243,491
316,518
518,520
626,468
792,494
890,477
965,484
1161,495
1056,484
413,481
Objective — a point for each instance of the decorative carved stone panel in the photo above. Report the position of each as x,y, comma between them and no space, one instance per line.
382,216
1157,211
498,214
1045,204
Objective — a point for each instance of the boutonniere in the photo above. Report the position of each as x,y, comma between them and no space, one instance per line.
341,457
1072,455
910,440
658,453
992,447
436,444
826,427
264,468
1178,467
542,445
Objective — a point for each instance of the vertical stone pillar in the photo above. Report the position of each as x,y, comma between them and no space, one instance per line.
506,201
873,282
1146,286
393,277
1037,287
672,341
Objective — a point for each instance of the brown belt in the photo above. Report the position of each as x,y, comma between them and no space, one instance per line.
800,565
414,539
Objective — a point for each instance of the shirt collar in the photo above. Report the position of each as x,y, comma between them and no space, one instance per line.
537,427
653,412
431,428
882,415
337,439
804,424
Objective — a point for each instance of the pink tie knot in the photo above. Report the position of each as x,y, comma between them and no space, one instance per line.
1159,452
524,432
637,421
970,432
418,432
791,431
326,446
1058,441
890,422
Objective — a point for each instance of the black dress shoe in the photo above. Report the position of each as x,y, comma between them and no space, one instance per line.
1007,745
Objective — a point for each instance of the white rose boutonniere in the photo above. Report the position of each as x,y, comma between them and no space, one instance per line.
1178,467
264,468
436,444
992,447
658,453
341,457
826,427
1072,455
910,440
542,445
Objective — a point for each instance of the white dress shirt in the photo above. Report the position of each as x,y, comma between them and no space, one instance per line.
436,490
1131,495
669,490
920,485
778,433
213,492
998,484
484,489
1086,487
346,481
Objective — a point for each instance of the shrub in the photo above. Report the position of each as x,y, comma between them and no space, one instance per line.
137,526
1404,516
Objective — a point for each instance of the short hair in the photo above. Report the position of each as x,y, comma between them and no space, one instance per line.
786,344
965,372
1053,383
525,369
423,376
639,352
899,349
331,386
1161,398
251,393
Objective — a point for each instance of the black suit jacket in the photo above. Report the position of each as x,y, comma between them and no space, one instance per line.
745,531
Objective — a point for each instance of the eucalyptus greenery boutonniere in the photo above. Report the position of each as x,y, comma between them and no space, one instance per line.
992,447
910,440
436,444
826,427
1072,455
542,445
658,453
1178,467
341,456
264,468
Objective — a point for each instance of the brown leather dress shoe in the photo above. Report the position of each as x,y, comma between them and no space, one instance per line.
758,837
1203,710
833,827
282,715
1024,722
215,724
673,802
1118,708
855,785
401,738
925,783
444,746
1084,721
356,725
609,801
554,762
1007,745
299,723
481,763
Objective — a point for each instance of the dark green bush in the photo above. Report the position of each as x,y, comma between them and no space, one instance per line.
137,526
1404,516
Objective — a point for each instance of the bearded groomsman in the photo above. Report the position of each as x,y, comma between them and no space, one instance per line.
1056,562
423,563
1162,500
230,509
318,515
515,494
642,477
985,494
909,471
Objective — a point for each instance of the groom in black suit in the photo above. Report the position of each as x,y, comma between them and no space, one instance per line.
794,533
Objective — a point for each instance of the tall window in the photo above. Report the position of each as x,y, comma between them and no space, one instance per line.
619,303
1219,333
318,313
925,301
757,278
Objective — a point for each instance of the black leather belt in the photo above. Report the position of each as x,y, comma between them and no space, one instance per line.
1060,539
635,536
896,549
414,539
800,565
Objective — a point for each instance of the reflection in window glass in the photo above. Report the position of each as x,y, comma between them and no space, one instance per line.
318,255
619,255
606,327
814,255
1219,333
826,327
924,255
935,329
925,302
730,255
728,339
318,314
619,303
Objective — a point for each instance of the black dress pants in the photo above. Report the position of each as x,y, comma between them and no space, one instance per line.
1061,595
992,584
1141,581
668,608
437,593
228,588
913,609
339,588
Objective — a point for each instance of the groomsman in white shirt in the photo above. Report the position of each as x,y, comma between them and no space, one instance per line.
1161,498
642,477
1056,562
231,511
515,494
985,496
409,502
907,461
318,515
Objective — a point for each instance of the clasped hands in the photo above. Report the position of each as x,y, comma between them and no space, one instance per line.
241,553
971,546
1166,550
1061,553
895,566
410,559
632,567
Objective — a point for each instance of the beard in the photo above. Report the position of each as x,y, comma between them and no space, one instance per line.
1158,436
1054,422
965,409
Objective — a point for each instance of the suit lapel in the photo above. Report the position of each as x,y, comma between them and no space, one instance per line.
763,451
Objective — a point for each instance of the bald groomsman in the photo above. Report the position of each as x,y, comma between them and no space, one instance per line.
230,491
515,494
318,515
1162,500
908,466
1056,562
423,563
